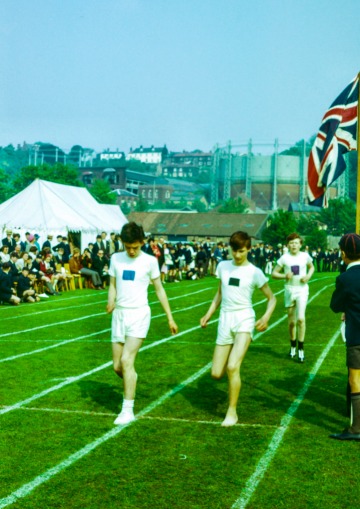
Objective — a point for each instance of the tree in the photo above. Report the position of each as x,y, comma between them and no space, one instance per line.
281,224
142,205
4,186
59,173
233,206
339,216
199,206
101,191
125,209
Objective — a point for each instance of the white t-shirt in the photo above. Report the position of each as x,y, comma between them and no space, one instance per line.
133,276
297,264
238,283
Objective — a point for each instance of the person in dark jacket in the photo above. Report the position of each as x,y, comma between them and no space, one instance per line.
7,292
346,299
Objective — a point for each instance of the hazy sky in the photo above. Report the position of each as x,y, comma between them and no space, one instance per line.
185,73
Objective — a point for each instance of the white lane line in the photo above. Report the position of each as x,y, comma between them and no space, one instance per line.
264,462
73,379
166,419
26,489
60,343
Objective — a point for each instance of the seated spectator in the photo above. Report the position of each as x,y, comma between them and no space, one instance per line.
101,265
4,254
40,276
59,256
14,271
24,261
87,258
25,288
76,267
33,252
7,292
48,268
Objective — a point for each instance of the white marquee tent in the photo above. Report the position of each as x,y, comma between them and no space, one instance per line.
48,208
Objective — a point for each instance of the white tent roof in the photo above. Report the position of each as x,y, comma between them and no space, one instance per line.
49,207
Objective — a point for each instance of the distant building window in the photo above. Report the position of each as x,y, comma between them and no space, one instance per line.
149,193
143,194
167,194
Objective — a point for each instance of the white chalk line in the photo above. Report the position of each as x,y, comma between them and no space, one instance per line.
264,462
166,419
26,489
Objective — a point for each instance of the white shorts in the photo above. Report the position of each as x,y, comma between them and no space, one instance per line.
130,322
233,322
297,296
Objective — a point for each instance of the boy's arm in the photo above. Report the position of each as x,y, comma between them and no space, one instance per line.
262,323
278,273
161,295
112,295
213,307
310,272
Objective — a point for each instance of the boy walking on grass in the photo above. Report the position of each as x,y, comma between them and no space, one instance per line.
346,299
238,280
296,268
130,273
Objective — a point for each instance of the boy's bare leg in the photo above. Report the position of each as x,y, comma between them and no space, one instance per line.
117,350
238,352
131,348
220,359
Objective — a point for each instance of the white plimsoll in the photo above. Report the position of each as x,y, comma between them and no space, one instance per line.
44,295
125,417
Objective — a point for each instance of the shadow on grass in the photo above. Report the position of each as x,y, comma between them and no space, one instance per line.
209,396
105,395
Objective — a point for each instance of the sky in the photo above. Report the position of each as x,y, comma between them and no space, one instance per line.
191,74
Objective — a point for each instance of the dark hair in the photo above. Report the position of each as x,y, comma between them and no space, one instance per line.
293,236
6,265
132,232
238,240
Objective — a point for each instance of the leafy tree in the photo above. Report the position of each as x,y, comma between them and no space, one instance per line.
5,192
59,173
234,206
297,149
199,206
125,208
316,238
339,216
281,224
142,205
101,191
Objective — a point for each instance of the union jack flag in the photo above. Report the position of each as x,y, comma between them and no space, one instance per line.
336,136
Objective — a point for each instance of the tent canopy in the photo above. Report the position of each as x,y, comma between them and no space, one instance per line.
52,208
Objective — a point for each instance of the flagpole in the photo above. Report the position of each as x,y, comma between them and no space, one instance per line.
358,162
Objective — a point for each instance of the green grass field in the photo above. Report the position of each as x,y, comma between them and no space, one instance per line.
59,397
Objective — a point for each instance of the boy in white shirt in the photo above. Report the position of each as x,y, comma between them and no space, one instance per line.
296,268
130,273
238,280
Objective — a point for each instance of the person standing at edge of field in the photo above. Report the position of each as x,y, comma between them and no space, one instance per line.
238,280
296,267
346,299
130,273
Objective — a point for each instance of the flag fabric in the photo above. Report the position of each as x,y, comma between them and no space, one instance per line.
336,136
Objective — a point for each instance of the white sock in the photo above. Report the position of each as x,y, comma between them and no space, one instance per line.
128,404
